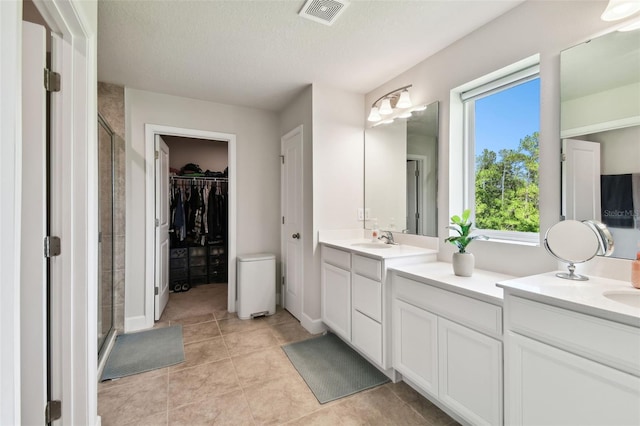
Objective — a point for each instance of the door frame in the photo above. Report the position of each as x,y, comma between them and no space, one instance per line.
283,238
150,130
73,209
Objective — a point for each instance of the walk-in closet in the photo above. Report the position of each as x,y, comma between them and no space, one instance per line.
198,203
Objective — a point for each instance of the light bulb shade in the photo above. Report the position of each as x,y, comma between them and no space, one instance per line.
405,100
620,9
631,27
385,108
374,115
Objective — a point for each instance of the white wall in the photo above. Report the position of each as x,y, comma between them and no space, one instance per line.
258,176
619,150
386,175
620,103
333,139
534,27
338,171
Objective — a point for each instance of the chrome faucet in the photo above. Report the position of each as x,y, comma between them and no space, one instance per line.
388,236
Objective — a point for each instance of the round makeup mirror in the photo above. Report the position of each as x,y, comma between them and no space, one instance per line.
572,242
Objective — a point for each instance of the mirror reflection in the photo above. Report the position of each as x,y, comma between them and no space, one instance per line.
600,130
401,174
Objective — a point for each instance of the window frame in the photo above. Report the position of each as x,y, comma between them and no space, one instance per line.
462,120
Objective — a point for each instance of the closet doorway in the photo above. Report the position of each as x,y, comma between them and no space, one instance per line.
190,198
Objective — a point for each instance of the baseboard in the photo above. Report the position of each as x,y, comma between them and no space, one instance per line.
136,324
311,325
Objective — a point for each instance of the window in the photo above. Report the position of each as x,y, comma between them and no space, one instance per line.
501,122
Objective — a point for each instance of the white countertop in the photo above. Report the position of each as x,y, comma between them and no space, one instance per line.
481,285
388,252
582,296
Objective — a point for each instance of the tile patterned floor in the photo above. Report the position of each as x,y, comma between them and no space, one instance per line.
235,373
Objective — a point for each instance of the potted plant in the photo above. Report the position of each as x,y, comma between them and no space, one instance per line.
463,261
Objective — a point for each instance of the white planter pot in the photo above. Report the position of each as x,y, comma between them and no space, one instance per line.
463,264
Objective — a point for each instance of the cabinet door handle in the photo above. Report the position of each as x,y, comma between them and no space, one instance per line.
296,236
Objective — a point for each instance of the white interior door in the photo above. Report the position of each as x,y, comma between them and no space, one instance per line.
413,199
292,208
162,227
581,179
33,267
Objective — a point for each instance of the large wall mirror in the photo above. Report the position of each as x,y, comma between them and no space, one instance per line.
600,131
401,174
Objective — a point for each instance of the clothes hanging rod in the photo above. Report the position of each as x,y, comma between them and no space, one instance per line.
196,178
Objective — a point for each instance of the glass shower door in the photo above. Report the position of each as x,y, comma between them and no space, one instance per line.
105,233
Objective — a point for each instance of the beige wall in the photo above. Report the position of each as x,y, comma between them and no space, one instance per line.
208,155
258,176
544,27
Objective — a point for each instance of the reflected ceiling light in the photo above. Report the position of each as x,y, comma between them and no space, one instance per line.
620,9
389,103
419,108
405,114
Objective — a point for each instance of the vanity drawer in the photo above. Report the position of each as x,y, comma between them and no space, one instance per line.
367,267
475,314
367,297
336,257
612,343
367,336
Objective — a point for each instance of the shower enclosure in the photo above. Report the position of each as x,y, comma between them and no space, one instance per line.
106,193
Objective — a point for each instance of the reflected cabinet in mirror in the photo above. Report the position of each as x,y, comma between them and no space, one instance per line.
600,131
401,174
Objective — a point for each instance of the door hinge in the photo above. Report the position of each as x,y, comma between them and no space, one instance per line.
157,155
283,220
157,222
51,81
51,246
282,280
156,291
282,158
53,411
417,173
563,157
417,215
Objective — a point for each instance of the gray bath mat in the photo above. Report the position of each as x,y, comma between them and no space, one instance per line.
144,351
331,368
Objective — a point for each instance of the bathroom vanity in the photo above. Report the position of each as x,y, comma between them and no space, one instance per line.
447,338
488,349
356,295
572,351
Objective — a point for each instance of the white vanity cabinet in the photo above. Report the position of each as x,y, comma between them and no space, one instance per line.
564,367
356,300
449,346
336,291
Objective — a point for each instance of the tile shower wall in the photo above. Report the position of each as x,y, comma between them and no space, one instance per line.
111,106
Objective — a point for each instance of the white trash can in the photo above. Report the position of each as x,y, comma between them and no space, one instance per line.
256,285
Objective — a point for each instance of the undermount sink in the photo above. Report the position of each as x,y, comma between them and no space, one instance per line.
372,245
630,298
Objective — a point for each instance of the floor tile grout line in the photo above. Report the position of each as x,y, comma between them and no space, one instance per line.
235,371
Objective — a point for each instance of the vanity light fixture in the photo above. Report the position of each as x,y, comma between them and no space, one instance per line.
634,25
620,9
389,103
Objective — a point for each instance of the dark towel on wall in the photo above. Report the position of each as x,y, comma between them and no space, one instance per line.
616,193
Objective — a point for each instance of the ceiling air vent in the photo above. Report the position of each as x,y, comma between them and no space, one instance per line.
323,11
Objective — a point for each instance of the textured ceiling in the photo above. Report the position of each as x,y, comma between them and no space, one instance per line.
261,53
